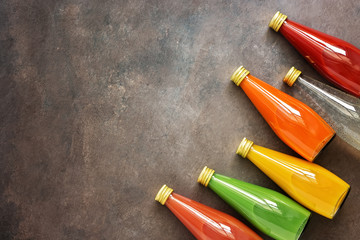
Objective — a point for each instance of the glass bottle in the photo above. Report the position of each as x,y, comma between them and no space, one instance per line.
204,222
308,183
339,109
338,61
295,123
271,212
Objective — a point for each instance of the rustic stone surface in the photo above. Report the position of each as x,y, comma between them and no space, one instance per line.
102,102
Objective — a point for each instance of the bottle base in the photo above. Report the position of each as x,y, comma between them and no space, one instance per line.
303,227
341,202
325,145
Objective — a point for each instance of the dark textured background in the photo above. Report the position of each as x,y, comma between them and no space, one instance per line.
102,102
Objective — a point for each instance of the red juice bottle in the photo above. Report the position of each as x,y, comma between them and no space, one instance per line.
204,222
336,60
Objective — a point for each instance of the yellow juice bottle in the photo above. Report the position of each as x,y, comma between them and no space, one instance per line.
308,183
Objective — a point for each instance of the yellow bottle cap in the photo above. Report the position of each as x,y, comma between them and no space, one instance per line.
277,20
239,75
163,194
291,76
244,147
205,176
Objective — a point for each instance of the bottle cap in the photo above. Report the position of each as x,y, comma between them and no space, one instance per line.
239,75
277,20
244,147
205,176
163,194
291,76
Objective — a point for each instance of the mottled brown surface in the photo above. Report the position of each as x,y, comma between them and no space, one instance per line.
102,102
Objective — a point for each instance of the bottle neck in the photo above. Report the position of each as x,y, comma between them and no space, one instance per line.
179,205
309,42
185,210
332,97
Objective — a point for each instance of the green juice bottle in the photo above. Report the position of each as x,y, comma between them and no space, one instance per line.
271,212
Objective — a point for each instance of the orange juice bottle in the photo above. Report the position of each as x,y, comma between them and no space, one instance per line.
308,183
295,123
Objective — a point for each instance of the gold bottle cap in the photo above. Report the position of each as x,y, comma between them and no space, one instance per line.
277,20
291,76
239,75
205,176
244,147
163,194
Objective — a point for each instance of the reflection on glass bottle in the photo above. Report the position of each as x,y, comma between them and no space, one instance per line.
308,183
204,222
339,109
338,61
271,212
295,123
